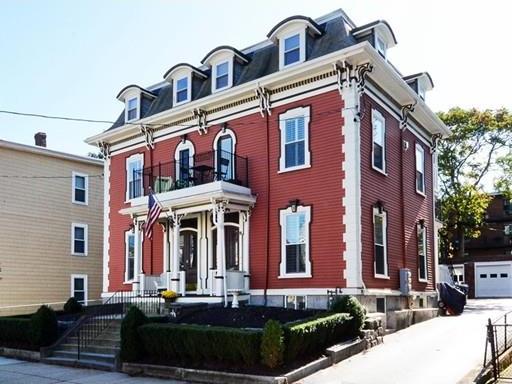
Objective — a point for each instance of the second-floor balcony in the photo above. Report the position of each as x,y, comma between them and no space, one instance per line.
189,171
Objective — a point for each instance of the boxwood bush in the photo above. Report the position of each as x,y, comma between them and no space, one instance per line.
307,338
39,330
198,343
272,344
131,346
352,306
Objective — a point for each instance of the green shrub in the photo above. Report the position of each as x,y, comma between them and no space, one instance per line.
200,343
304,339
131,345
15,331
72,306
44,327
272,344
352,306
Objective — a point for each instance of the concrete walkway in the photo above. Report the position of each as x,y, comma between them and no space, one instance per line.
21,372
442,351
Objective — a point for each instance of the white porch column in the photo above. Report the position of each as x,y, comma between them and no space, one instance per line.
221,253
175,256
138,280
245,250
167,255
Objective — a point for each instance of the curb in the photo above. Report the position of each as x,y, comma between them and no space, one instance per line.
21,354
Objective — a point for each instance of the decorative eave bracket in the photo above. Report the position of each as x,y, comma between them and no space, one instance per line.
104,149
347,75
263,95
148,134
202,125
405,111
436,138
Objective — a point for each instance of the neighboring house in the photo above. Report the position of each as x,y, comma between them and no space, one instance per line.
51,227
300,164
487,263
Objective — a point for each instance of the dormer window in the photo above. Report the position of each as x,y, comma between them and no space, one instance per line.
132,109
292,49
222,75
182,90
421,92
291,35
381,46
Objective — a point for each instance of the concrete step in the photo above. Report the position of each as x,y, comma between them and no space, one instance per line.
105,349
103,340
82,363
107,358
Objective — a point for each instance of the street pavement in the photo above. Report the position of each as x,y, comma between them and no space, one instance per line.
21,372
445,350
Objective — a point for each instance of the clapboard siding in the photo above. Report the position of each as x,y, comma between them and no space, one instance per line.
35,229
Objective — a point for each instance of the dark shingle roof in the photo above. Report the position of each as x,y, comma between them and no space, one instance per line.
262,62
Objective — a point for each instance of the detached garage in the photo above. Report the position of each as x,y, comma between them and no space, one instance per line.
493,279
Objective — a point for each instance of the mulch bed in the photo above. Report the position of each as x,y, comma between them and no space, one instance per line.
246,316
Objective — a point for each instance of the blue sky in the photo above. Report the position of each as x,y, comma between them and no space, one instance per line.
71,58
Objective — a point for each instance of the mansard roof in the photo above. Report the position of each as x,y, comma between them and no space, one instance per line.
240,55
120,96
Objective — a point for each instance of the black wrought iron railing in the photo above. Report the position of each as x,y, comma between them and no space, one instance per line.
498,341
187,172
98,318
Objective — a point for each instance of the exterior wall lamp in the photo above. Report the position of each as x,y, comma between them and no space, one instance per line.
294,204
380,206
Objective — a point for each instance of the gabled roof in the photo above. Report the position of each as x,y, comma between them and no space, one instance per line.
240,55
179,66
315,28
121,95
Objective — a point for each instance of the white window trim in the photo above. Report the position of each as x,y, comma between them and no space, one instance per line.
138,157
420,279
221,133
229,61
295,301
292,114
302,47
376,115
86,286
86,239
384,216
420,148
282,221
73,186
378,37
137,115
180,147
126,235
175,89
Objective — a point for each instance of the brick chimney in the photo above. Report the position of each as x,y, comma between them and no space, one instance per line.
40,138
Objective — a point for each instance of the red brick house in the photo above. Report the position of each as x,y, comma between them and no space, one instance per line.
295,166
487,263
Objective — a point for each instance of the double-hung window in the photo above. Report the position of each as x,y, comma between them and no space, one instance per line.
129,256
291,50
294,139
80,188
182,90
422,252
379,141
420,169
222,75
132,109
79,288
295,242
380,242
134,176
79,239
381,46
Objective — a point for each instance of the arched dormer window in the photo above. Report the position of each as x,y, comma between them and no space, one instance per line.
182,77
222,61
225,158
379,33
184,160
291,34
134,98
420,83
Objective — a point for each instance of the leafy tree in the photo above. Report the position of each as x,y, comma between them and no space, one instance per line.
98,155
480,146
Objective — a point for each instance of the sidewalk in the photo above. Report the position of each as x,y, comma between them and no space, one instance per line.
22,372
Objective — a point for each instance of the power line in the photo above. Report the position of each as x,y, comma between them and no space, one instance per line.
56,117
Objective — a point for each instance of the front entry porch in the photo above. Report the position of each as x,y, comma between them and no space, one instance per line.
205,243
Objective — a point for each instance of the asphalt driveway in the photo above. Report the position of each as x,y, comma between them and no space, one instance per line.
442,350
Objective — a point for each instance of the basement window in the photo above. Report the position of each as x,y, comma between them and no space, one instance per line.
295,302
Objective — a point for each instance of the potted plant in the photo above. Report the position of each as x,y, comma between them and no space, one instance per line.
169,297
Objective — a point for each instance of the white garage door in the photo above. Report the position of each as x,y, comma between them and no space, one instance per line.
493,280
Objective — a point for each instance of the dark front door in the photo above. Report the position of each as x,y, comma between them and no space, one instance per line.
188,250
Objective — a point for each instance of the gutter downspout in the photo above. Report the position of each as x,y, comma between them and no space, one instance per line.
267,236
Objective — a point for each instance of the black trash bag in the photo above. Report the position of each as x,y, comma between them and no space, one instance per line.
451,298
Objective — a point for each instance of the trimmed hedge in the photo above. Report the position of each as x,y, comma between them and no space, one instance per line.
272,344
72,306
40,330
311,337
130,340
352,306
198,343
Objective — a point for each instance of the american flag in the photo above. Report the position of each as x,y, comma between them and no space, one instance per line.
154,210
